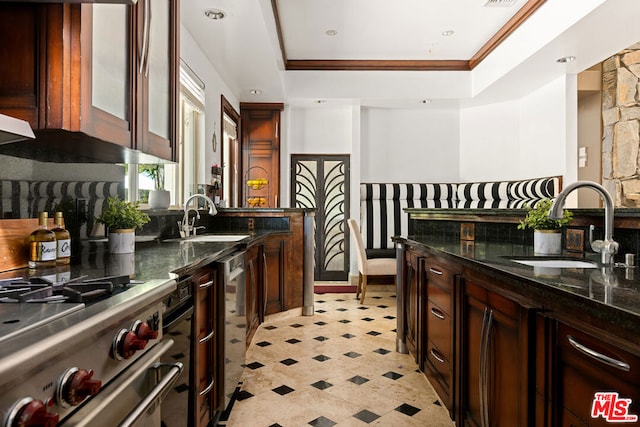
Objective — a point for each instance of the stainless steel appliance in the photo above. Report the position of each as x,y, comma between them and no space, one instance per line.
177,323
235,330
94,362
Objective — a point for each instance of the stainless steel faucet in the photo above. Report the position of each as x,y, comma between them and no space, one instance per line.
187,229
607,247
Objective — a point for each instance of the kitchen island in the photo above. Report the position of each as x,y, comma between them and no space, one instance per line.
505,342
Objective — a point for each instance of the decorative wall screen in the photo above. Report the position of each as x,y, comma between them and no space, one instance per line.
322,182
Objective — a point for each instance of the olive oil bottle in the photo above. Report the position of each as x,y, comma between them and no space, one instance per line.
63,240
42,245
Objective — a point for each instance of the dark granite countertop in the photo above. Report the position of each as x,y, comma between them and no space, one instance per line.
608,298
152,259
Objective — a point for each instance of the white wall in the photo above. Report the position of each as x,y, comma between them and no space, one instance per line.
410,145
523,138
214,87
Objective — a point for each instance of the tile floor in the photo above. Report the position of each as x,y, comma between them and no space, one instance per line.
336,368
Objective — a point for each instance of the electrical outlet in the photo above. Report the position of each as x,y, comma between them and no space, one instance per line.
574,239
467,231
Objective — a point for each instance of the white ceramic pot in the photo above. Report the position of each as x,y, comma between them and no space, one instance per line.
547,242
159,199
122,241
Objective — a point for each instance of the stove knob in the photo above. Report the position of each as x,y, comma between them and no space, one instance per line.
75,385
125,344
144,331
29,412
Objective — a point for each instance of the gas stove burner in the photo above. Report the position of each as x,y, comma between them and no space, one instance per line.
78,290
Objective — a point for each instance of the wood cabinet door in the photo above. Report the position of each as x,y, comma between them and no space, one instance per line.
157,71
107,61
273,254
495,374
204,349
590,363
253,265
20,32
412,298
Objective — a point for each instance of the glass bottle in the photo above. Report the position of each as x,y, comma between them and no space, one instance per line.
42,245
63,239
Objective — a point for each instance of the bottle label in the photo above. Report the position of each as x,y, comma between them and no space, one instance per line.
64,248
44,251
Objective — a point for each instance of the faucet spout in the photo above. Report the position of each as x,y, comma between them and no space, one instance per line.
186,229
607,247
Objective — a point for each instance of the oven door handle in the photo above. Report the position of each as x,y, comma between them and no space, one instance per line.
175,369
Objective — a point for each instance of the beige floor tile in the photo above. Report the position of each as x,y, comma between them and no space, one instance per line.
370,328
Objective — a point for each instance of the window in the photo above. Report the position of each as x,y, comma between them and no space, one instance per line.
179,178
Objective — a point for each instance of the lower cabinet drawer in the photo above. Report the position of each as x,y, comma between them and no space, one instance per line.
437,368
595,375
439,329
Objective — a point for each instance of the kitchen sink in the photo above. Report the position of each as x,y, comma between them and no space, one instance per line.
555,262
218,238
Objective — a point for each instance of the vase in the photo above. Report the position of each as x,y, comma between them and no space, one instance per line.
159,199
122,241
547,242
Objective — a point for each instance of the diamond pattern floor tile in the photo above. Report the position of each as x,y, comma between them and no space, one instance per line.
338,367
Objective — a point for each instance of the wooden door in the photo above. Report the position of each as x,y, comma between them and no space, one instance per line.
322,182
495,373
274,273
412,289
253,264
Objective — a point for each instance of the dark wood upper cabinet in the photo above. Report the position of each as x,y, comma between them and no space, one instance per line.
97,82
261,150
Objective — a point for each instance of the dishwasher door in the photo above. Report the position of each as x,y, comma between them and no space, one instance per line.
235,325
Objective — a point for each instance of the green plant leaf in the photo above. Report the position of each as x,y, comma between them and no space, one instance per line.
120,214
538,217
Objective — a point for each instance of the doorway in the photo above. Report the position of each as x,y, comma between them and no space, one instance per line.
322,182
230,155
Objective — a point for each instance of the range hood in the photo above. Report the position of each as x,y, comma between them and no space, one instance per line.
13,130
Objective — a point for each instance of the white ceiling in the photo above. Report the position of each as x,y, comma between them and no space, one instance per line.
245,48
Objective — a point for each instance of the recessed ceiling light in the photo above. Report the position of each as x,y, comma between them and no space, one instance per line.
566,59
425,101
320,101
255,92
448,33
331,32
214,14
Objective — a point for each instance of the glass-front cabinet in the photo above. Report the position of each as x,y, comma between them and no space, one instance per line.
157,72
96,76
106,89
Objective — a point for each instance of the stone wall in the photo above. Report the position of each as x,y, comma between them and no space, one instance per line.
621,126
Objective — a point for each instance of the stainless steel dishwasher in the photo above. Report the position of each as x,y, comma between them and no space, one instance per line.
235,325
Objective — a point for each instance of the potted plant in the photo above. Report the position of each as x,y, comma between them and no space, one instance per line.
547,237
159,198
121,219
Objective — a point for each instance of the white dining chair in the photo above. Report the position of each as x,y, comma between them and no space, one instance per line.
368,267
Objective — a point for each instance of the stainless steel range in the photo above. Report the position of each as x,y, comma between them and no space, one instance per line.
83,354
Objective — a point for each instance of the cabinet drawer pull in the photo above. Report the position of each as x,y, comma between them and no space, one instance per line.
206,285
437,356
598,356
207,338
435,271
437,313
208,389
